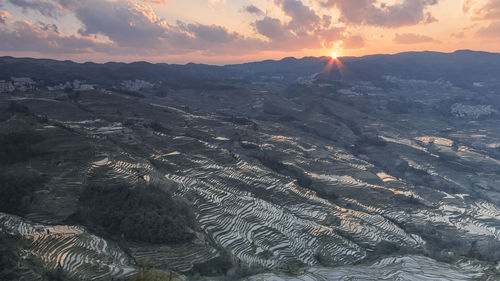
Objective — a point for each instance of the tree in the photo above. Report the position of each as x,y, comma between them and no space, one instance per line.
148,273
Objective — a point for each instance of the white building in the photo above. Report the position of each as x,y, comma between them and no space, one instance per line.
472,111
23,84
136,85
6,86
76,85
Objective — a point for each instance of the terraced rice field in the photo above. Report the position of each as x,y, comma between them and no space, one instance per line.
180,258
394,268
267,219
262,217
72,248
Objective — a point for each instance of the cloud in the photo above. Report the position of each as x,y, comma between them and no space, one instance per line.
272,28
491,31
353,42
46,26
329,36
253,10
133,28
304,30
429,18
26,36
358,12
467,5
214,2
211,33
155,1
4,15
411,38
44,7
302,17
135,25
118,25
482,10
128,23
282,38
458,35
44,38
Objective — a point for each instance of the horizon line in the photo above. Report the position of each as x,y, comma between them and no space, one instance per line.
257,61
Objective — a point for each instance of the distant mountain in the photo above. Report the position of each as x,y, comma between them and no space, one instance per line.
105,74
462,68
288,68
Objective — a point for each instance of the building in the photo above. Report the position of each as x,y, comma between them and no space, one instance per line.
6,86
23,84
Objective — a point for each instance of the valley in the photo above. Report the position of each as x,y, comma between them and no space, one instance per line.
246,176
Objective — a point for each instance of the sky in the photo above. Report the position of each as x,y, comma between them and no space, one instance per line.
234,31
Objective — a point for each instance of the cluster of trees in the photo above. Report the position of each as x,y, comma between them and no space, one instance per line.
139,213
366,140
128,93
147,272
447,245
8,258
18,146
403,106
158,127
16,191
214,267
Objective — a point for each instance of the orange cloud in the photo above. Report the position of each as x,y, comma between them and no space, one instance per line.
353,42
155,1
4,15
411,38
369,12
491,31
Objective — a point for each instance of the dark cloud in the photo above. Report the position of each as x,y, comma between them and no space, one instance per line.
68,5
429,18
46,27
211,33
492,31
132,27
135,25
302,17
272,28
412,38
145,27
305,29
44,7
129,24
253,10
407,12
25,36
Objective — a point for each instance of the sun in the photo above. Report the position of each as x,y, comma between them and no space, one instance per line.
334,56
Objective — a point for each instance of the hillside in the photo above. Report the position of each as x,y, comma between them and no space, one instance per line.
276,169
